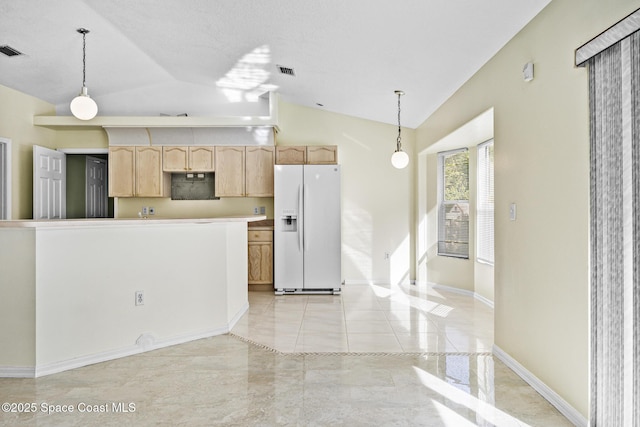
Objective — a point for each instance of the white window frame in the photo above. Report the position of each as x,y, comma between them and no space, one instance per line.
442,202
5,179
485,207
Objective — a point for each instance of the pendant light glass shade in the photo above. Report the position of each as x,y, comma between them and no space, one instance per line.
82,106
399,159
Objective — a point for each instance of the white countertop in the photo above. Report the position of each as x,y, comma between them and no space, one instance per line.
96,222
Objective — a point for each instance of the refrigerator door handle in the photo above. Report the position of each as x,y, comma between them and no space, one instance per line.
300,217
304,201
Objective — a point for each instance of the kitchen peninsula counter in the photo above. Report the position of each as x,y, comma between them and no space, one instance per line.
68,288
88,222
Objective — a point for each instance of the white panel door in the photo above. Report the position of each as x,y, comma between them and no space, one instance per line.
96,188
322,227
49,184
288,220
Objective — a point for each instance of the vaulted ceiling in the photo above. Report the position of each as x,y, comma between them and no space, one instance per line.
213,57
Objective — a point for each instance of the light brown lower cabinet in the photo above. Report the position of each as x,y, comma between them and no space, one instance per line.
260,257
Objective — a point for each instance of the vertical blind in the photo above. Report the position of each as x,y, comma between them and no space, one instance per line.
614,95
485,202
453,203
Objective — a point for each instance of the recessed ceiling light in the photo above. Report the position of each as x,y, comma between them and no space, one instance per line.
9,51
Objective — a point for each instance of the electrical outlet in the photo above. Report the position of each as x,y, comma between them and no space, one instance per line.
256,210
152,211
386,255
139,297
145,210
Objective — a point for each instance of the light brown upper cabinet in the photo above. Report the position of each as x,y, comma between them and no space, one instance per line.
230,171
184,159
322,154
150,179
137,172
259,171
293,155
122,170
307,155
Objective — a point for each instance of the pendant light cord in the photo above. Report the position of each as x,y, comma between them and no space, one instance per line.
84,32
399,147
84,58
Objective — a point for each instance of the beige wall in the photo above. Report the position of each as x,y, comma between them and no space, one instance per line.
542,164
16,123
377,207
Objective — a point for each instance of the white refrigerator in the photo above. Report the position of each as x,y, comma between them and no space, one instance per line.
307,230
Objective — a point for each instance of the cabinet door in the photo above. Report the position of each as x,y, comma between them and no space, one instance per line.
291,155
229,168
201,159
259,175
260,263
175,159
322,155
122,163
149,175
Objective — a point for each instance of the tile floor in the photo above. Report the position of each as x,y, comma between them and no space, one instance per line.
369,318
426,363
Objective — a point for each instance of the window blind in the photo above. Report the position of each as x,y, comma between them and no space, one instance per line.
485,209
453,203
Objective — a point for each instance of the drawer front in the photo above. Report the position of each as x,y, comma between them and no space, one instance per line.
260,236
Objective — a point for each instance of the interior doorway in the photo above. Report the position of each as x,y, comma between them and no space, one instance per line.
86,183
5,178
87,186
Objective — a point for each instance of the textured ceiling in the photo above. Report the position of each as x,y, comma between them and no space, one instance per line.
213,57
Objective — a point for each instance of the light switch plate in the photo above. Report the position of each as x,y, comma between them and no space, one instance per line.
512,212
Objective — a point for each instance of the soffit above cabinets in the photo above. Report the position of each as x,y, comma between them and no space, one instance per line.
268,118
183,136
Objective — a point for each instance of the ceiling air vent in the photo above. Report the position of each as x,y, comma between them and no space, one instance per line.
9,51
286,70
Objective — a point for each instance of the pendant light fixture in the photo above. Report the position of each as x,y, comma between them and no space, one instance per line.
399,159
82,106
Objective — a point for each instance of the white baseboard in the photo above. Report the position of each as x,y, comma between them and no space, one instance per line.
360,282
554,398
373,282
149,345
146,342
238,316
17,372
472,294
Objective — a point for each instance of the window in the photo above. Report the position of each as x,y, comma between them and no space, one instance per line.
485,202
453,203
